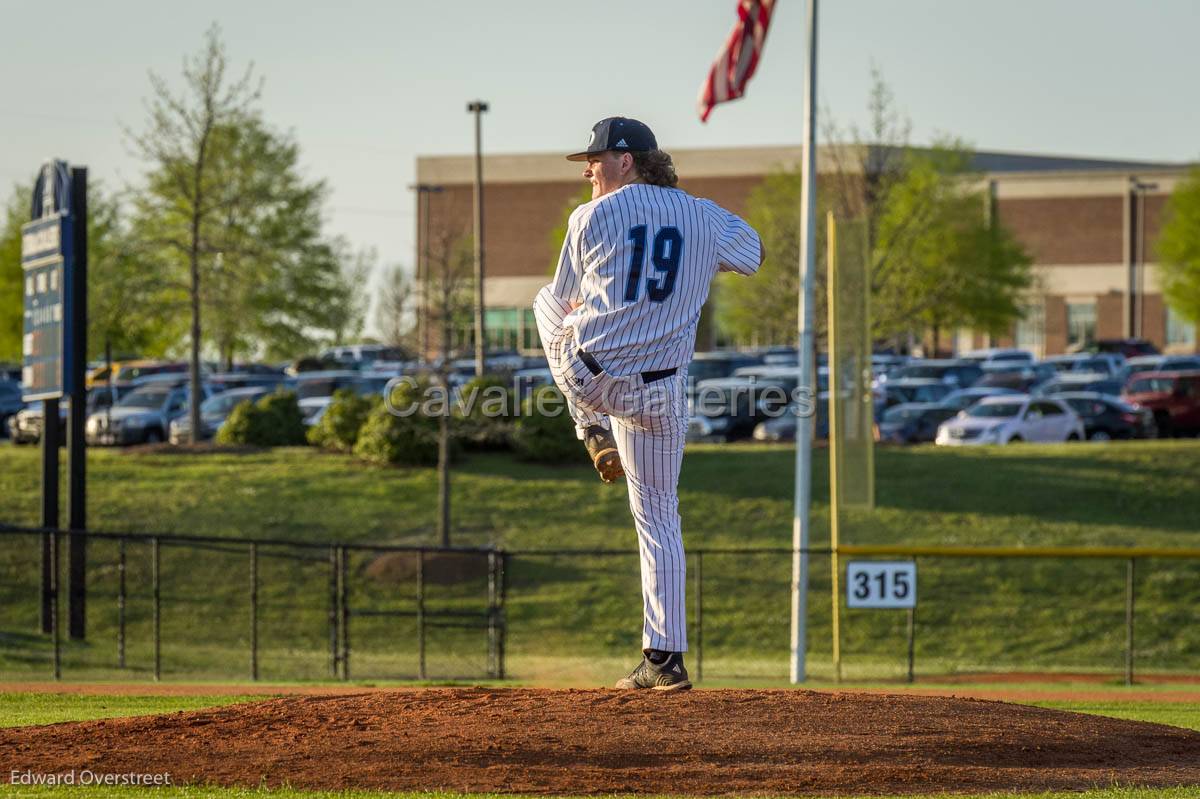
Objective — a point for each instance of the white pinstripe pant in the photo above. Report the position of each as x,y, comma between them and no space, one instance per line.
649,423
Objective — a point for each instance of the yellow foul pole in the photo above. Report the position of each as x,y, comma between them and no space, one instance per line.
835,435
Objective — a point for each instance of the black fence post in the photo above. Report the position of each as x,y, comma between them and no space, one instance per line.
254,611
121,603
345,603
503,621
55,615
699,615
334,612
421,614
50,442
1129,600
493,593
155,577
912,635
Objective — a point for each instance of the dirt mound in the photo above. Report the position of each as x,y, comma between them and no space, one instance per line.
440,568
592,742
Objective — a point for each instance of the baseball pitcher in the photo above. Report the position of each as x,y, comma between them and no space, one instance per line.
618,324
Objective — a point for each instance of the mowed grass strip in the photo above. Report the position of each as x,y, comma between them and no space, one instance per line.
19,709
576,617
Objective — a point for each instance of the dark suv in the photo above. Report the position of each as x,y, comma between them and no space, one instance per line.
954,373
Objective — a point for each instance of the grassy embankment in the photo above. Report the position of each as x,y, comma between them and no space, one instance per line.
577,618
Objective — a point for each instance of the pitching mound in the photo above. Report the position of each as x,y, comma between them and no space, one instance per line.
592,742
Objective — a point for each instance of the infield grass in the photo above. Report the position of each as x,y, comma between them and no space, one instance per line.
576,619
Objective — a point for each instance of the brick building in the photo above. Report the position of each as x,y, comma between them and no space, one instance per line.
1088,224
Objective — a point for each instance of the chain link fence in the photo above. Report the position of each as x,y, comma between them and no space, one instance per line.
208,608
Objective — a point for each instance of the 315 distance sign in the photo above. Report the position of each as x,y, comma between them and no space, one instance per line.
881,584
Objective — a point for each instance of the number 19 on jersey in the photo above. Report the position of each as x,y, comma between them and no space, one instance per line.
881,584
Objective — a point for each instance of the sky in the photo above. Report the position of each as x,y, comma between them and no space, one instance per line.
367,86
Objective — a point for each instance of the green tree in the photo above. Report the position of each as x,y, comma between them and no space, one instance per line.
559,233
395,315
188,197
936,261
122,287
763,309
234,225
12,279
1179,249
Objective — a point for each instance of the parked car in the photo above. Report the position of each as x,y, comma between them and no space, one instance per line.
1157,363
1022,377
1173,397
324,383
1079,381
955,373
910,389
1125,347
10,402
712,365
912,422
993,355
966,397
1105,417
362,356
25,426
783,428
1106,363
213,413
227,381
141,417
128,371
1005,420
885,364
730,407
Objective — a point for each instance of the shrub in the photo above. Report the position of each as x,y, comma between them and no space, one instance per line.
339,426
273,421
547,437
485,413
410,440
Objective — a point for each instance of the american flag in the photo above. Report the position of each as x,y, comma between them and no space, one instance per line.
739,56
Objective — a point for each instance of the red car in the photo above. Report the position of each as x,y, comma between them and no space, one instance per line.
1174,397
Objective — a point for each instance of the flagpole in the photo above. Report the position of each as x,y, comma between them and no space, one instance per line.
804,428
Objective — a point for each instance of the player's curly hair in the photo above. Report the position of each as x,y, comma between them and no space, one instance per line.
656,168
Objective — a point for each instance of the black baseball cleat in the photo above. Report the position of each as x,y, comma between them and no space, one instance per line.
670,675
603,450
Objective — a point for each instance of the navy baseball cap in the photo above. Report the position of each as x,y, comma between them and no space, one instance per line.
617,133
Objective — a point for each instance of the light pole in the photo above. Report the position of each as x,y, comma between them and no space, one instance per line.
477,107
1139,190
423,191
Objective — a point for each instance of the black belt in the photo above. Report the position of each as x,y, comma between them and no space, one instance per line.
594,367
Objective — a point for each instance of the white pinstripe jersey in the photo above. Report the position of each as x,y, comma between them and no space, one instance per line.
640,260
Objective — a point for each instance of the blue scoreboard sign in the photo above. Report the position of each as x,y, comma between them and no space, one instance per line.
47,260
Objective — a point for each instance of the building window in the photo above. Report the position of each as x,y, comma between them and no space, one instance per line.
1031,329
511,329
1081,324
1180,332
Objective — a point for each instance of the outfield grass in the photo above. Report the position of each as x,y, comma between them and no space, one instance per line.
578,618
